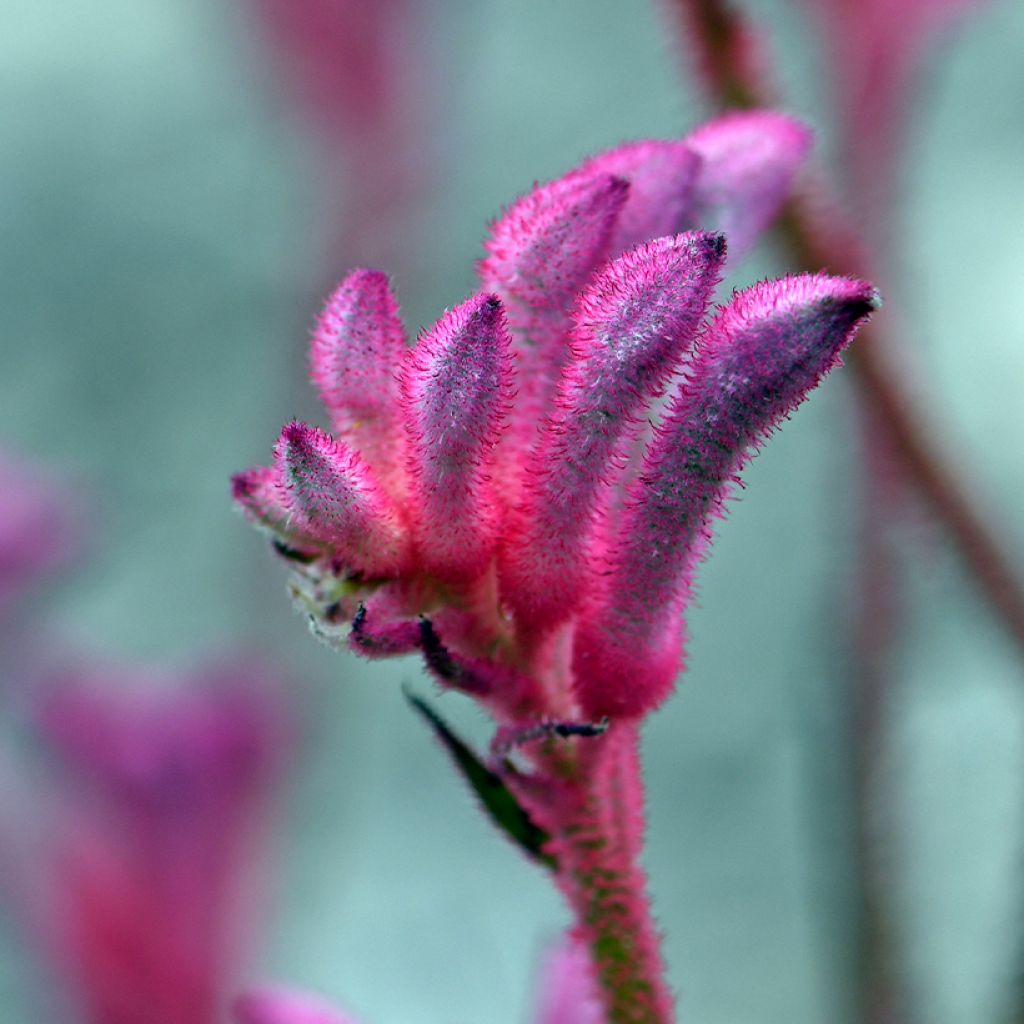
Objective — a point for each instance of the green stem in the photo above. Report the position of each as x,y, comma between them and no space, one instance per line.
597,844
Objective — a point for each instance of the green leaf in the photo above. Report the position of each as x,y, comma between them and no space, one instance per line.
497,799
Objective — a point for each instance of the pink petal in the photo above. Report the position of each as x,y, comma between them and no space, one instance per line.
332,496
749,164
258,493
661,176
540,254
357,345
455,393
633,326
757,362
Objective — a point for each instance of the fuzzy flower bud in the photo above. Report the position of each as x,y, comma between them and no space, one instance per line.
496,525
758,360
455,392
633,326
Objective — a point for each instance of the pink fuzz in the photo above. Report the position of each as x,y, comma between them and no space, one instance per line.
357,343
540,255
633,326
546,245
455,393
749,162
661,176
756,363
259,495
332,496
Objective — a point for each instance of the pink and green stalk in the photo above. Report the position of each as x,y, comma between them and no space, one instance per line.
487,548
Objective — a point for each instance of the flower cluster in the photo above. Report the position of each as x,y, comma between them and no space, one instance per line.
522,496
485,497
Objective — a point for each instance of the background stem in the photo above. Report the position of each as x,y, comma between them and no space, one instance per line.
734,66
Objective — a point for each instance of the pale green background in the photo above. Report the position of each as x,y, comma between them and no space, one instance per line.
158,236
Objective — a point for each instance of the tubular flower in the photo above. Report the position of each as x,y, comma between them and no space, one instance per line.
141,878
471,479
499,499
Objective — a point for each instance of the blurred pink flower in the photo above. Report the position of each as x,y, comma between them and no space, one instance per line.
142,880
875,50
567,991
39,525
357,70
567,996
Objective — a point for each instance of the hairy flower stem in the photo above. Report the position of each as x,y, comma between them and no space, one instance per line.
597,839
735,70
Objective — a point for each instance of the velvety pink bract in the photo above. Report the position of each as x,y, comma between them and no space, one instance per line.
455,394
332,496
540,255
633,325
749,164
357,342
661,175
757,361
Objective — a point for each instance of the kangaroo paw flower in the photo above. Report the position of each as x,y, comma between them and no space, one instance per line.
758,360
455,393
633,325
749,162
357,343
484,502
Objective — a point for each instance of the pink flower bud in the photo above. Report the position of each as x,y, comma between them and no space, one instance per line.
455,393
633,326
758,360
332,496
749,162
661,176
357,343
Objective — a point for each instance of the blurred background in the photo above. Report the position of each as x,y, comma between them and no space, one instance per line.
176,199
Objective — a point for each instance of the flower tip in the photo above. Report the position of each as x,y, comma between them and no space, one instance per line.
243,485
